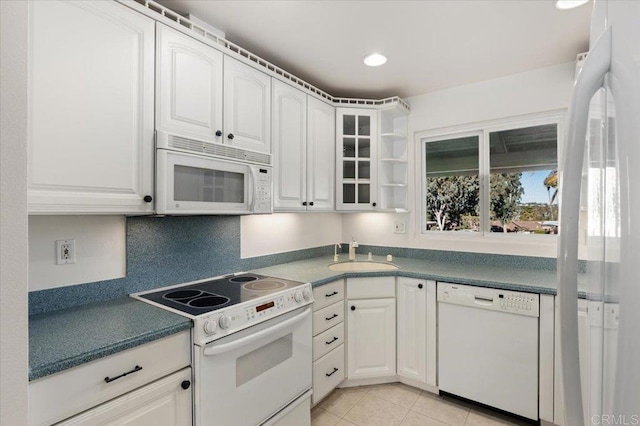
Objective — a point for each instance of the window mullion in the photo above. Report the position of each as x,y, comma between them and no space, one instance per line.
484,182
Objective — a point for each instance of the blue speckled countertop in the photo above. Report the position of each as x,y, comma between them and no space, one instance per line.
63,339
317,272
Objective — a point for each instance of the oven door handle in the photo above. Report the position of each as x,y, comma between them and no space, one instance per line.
226,347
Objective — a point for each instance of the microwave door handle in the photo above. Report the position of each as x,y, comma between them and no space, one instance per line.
252,189
227,347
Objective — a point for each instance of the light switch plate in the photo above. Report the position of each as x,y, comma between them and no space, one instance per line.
399,227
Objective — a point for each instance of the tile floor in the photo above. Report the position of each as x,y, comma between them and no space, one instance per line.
399,404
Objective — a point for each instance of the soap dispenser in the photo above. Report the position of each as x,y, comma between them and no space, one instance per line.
352,249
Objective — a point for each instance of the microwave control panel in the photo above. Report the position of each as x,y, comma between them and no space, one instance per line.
263,201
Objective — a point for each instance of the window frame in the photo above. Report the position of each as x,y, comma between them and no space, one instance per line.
482,130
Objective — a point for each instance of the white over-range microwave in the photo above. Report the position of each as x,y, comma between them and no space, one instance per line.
194,177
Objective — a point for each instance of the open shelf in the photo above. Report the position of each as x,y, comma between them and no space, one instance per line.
392,136
393,165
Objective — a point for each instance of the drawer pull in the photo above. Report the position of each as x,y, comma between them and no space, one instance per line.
331,294
331,341
331,317
335,369
111,379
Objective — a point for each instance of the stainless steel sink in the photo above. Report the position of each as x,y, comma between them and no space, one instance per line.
361,266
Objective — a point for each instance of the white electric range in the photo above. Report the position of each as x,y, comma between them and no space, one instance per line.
252,347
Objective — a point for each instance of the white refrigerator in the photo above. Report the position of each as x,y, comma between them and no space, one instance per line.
599,297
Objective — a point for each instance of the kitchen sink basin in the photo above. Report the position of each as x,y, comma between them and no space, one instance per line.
356,266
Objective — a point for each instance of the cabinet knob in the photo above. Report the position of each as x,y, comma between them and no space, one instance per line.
304,203
218,132
419,285
148,198
374,204
185,385
230,136
353,308
311,203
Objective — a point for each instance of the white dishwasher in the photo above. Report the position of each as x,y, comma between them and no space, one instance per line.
488,346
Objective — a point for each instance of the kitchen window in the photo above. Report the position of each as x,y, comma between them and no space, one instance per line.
499,179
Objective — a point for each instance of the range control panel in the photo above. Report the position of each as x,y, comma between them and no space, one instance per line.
488,298
223,322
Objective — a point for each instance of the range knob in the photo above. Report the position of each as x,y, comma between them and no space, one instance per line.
298,296
210,326
224,322
306,293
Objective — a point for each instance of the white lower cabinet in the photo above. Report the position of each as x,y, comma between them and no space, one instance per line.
133,387
371,329
328,340
328,372
416,327
166,402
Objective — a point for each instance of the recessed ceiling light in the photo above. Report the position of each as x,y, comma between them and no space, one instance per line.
375,60
569,4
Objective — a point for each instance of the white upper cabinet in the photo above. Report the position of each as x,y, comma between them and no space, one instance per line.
289,111
247,107
321,143
189,86
356,159
303,130
91,75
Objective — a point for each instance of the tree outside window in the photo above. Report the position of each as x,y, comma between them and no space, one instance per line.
521,180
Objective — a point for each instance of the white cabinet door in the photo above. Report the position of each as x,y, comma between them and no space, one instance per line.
91,77
247,107
321,144
166,402
412,329
189,86
371,338
356,159
289,126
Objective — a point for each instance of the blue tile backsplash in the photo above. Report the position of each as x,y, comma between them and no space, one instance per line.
162,251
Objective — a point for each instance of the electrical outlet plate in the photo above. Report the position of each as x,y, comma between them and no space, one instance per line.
65,252
398,227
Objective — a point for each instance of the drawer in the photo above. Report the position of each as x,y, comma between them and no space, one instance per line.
164,402
328,294
371,288
330,339
328,372
328,317
64,394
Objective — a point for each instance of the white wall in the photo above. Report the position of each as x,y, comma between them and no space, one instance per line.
532,92
14,352
282,232
100,250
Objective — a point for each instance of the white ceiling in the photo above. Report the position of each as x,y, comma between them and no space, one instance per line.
431,45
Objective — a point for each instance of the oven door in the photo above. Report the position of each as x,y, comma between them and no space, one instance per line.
195,184
247,377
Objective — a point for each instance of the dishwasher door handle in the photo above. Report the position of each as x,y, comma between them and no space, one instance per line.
483,300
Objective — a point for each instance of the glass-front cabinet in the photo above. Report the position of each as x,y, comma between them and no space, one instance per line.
356,159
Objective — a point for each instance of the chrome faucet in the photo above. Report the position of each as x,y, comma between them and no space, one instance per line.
352,249
335,251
